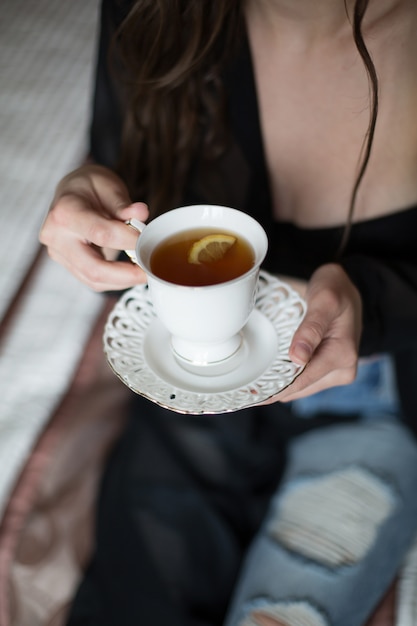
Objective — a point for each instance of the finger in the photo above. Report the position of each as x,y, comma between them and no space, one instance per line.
73,215
334,309
327,317
306,385
333,358
111,192
115,199
308,336
301,388
98,185
138,210
324,370
88,265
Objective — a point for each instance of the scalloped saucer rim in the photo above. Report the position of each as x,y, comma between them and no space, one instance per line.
138,350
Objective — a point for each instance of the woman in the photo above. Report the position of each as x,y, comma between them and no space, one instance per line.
302,114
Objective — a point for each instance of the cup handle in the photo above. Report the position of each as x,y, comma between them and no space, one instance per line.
138,226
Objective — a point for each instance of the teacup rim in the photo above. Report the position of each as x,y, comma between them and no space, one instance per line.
256,267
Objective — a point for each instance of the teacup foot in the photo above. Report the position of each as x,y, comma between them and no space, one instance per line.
206,362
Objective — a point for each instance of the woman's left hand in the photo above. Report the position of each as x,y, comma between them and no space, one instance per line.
327,340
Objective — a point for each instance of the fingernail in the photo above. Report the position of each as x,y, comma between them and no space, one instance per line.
301,353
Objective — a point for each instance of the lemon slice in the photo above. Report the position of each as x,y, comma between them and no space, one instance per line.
210,248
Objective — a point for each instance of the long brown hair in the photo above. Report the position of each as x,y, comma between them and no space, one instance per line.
173,52
358,15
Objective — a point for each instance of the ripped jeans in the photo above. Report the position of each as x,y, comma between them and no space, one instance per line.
341,522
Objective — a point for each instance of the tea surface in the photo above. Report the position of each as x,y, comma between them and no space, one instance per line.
169,260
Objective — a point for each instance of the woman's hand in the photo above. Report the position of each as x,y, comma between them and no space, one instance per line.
85,228
327,340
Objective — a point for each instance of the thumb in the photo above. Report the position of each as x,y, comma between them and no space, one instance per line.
323,307
115,196
138,210
307,337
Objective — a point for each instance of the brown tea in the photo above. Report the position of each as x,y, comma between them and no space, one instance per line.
170,260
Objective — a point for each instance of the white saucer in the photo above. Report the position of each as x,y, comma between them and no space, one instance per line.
138,349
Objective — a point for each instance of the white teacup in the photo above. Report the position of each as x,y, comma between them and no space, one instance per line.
204,322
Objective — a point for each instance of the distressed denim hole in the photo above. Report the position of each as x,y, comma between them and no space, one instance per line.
288,614
332,519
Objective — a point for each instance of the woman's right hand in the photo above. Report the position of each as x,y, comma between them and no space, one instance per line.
85,228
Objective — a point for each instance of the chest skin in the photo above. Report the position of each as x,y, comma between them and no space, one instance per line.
314,107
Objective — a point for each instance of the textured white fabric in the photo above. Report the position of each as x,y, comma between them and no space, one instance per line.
38,359
47,52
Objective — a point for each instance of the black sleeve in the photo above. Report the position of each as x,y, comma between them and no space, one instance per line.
106,114
389,294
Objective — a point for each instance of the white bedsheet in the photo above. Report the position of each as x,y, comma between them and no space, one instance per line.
47,52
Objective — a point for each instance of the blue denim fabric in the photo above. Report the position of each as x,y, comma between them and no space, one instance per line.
276,576
373,394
